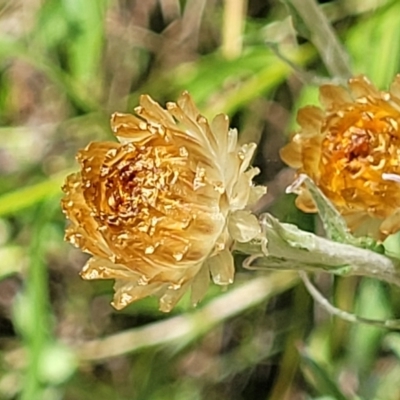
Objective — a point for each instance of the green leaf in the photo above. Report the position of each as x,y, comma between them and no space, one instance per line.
13,202
86,37
392,341
365,341
254,74
51,25
311,23
10,48
301,27
334,224
381,31
12,260
319,377
33,309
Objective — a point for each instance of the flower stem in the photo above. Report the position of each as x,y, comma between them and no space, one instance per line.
319,298
284,246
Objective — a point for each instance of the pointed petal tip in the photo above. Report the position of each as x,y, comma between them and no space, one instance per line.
185,93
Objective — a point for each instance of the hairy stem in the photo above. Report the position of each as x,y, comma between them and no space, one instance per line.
284,246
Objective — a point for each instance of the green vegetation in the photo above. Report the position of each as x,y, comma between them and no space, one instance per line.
65,66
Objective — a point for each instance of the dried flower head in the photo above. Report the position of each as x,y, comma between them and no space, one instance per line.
159,209
349,148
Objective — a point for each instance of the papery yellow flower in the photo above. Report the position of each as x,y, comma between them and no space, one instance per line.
348,148
159,209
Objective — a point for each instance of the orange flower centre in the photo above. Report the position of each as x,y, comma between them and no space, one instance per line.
360,144
138,186
135,181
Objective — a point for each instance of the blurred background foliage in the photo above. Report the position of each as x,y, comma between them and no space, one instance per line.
65,66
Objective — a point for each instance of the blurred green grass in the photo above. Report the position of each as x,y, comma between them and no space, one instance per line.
65,66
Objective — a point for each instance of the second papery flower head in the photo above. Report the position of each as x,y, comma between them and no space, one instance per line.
348,147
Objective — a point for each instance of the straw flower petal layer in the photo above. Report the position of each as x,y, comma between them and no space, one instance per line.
159,209
348,147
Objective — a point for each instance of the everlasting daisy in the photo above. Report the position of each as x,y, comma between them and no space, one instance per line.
350,147
158,209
